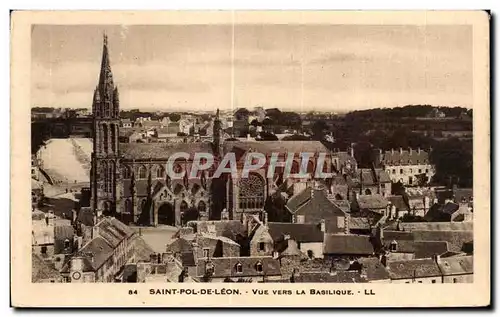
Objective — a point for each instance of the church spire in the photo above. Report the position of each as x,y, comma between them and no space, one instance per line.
106,76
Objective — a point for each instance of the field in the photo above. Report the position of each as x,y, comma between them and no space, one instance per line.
67,160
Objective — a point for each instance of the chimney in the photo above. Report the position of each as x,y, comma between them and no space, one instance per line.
352,149
248,136
437,258
322,225
392,151
153,258
400,150
264,218
418,150
410,150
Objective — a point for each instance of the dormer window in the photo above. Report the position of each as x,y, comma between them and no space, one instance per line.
258,267
394,246
239,268
66,243
206,252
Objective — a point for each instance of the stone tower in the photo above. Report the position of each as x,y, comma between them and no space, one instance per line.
217,135
105,156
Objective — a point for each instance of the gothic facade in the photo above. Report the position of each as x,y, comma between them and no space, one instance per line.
129,180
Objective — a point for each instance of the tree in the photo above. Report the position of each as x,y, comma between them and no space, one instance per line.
174,117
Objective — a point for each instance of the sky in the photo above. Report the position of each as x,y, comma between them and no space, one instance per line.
292,67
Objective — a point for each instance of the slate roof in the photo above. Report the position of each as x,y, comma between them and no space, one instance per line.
455,239
399,202
97,252
226,228
368,176
145,151
316,208
42,270
347,244
374,269
359,223
300,232
187,259
457,265
226,267
417,268
374,201
327,277
421,249
142,250
114,231
298,199
397,235
180,245
344,158
268,147
405,158
435,226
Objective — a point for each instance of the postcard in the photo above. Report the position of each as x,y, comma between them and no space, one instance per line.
250,159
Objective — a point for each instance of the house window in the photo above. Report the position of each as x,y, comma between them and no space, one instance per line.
239,268
433,281
262,246
368,192
258,267
66,244
393,171
400,171
206,252
455,280
420,171
420,282
300,219
426,171
407,282
44,250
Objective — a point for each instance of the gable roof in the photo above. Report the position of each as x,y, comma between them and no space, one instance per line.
42,270
315,208
327,277
457,265
374,201
300,232
404,157
161,150
268,147
374,269
226,267
421,249
347,244
399,202
456,239
409,269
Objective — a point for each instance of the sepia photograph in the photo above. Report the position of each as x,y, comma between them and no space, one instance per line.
319,153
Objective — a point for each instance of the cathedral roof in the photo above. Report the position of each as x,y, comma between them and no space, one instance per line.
268,147
143,151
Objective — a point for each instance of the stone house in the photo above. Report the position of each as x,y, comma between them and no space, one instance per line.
410,167
239,269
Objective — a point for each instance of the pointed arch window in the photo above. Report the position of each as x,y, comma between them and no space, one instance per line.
202,207
128,206
105,137
113,137
142,172
160,172
126,172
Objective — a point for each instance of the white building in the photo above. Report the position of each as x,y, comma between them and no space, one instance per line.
406,166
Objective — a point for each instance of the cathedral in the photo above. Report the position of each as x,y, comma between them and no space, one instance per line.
129,180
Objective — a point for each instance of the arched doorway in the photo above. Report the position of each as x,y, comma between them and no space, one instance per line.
166,215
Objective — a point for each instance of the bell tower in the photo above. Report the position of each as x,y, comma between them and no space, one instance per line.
105,156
